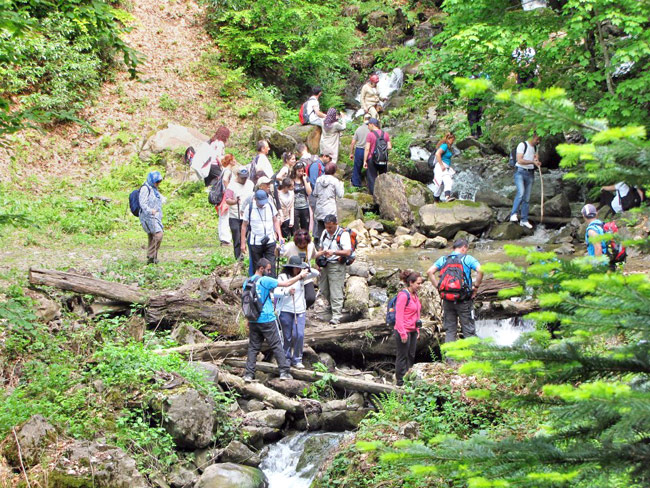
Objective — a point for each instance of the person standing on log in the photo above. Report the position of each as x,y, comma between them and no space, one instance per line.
456,289
262,217
239,190
266,325
151,214
407,323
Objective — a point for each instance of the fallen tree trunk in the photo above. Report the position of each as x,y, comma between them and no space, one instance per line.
259,391
87,285
170,308
308,375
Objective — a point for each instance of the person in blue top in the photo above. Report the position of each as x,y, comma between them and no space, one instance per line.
266,326
461,308
594,228
443,173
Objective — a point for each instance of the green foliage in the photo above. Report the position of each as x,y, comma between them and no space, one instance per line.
401,152
167,103
321,388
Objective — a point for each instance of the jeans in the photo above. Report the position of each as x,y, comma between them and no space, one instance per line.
358,166
257,332
405,355
372,173
453,312
235,229
332,286
524,182
293,330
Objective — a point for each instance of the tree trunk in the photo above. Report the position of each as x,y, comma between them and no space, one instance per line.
168,309
259,391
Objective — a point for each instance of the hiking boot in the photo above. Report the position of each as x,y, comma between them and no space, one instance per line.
526,224
335,321
249,378
513,218
150,261
299,366
285,376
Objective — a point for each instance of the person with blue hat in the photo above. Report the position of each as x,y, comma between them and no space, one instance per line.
151,214
239,190
261,216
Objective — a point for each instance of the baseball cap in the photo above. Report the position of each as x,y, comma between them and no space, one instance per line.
589,211
374,121
243,172
263,180
261,196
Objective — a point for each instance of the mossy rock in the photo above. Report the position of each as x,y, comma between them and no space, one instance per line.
366,201
448,218
400,198
389,225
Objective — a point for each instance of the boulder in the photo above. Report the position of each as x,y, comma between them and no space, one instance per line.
359,268
238,453
186,334
492,198
365,201
341,420
374,225
308,134
357,295
230,475
255,405
348,210
547,151
431,303
209,370
46,309
399,197
437,242
278,141
181,477
85,463
402,231
356,400
34,436
327,361
378,18
258,436
446,219
558,206
173,137
335,405
508,231
273,418
187,415
418,240
315,448
463,234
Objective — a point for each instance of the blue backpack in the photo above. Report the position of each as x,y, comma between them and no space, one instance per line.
134,201
391,313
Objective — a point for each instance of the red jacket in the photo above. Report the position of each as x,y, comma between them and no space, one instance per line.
406,315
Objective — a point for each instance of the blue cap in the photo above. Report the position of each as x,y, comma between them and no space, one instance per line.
262,197
243,172
374,121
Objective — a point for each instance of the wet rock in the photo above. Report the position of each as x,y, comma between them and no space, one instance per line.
399,197
255,405
186,334
508,231
230,475
273,418
258,436
46,309
173,137
356,400
210,371
356,295
313,449
308,134
348,210
187,415
335,405
85,463
279,142
492,198
34,436
360,269
461,234
181,477
558,206
437,242
341,420
327,361
290,388
239,453
374,225
565,234
446,219
565,249
402,231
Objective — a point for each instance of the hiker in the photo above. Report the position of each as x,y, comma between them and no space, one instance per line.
375,161
407,323
475,108
525,67
621,197
610,251
316,167
527,161
456,289
301,192
227,166
443,173
261,162
293,309
266,327
595,227
335,247
330,139
370,98
357,148
314,115
239,190
207,159
288,162
286,200
262,217
304,248
151,214
328,189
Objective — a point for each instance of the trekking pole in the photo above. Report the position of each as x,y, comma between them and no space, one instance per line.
541,181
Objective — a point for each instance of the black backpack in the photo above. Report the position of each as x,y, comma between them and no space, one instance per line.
431,162
631,200
453,286
250,300
380,154
253,169
217,190
512,160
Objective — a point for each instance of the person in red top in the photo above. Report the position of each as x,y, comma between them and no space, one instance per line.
407,323
374,168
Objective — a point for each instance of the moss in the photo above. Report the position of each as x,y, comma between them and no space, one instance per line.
389,225
455,203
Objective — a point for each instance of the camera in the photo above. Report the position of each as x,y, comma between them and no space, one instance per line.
264,241
321,261
418,323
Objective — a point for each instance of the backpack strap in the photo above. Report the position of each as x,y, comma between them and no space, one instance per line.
408,297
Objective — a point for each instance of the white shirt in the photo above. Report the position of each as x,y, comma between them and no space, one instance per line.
529,155
286,302
261,222
329,242
313,106
621,191
243,192
263,164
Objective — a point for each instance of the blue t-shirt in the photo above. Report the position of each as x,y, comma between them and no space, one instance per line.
264,286
597,226
313,173
469,263
446,154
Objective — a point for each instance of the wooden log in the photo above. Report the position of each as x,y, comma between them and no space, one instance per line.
170,308
309,375
259,391
87,285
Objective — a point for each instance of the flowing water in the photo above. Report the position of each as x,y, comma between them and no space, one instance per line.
504,332
294,461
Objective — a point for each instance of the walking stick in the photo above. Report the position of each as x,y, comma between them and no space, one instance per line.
541,181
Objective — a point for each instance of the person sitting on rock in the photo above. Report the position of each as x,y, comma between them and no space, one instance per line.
266,326
370,98
315,116
527,161
407,322
443,173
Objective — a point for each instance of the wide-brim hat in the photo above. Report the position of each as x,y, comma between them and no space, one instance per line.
295,262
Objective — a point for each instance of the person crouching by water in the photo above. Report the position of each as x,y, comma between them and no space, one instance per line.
151,202
293,309
266,327
407,323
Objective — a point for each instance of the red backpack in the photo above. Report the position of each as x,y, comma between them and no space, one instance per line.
615,250
353,242
453,286
303,116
